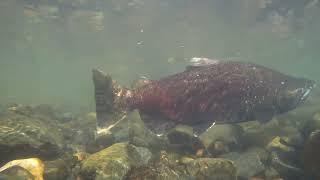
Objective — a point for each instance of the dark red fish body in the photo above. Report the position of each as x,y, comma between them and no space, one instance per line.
222,92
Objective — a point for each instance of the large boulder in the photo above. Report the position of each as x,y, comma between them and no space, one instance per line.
222,137
182,140
23,135
114,162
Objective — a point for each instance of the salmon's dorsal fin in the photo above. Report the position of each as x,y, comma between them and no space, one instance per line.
140,82
197,62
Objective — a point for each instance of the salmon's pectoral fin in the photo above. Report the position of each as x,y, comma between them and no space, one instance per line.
201,128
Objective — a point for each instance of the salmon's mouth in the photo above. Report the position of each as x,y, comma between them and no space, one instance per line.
305,92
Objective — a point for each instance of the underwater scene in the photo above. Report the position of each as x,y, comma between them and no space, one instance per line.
159,90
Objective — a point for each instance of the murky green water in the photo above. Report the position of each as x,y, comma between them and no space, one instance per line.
49,47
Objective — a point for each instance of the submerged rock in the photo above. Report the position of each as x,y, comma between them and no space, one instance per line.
222,137
114,162
257,134
66,116
271,174
167,167
249,163
311,158
45,110
313,124
33,166
79,132
293,140
60,168
173,166
21,109
130,128
284,155
278,144
211,168
157,172
22,135
16,173
285,169
218,147
182,139
140,135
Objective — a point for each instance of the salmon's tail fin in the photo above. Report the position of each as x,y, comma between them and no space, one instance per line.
104,96
110,99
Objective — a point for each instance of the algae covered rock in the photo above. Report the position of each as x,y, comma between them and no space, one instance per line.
22,135
249,163
79,131
60,168
114,162
16,173
222,137
45,110
285,155
294,140
174,166
278,144
257,134
218,147
183,139
211,168
169,166
135,131
33,166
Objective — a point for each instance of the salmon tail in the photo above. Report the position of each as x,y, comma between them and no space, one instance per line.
104,96
110,99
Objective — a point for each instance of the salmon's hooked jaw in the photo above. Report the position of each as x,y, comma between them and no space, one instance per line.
305,92
296,95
